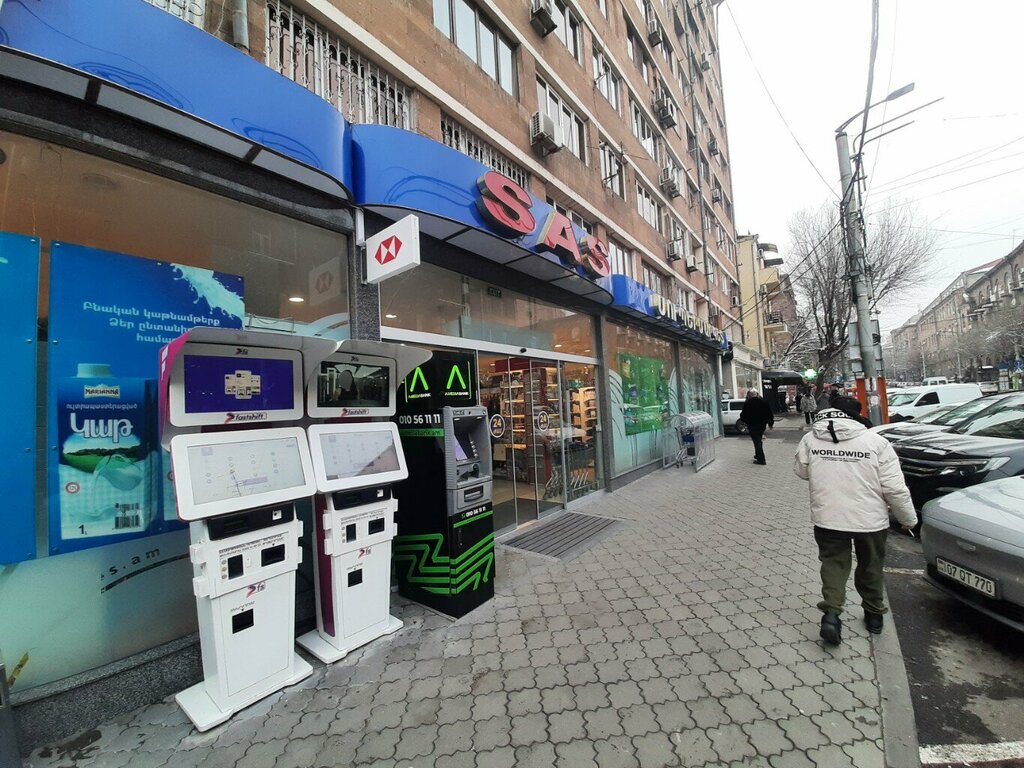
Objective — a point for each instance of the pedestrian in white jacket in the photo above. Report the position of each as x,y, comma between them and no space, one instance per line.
855,483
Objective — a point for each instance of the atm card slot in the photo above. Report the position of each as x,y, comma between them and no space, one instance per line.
376,526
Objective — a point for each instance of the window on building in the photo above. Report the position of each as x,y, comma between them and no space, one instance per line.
613,172
643,130
573,216
620,259
479,38
568,30
637,54
303,51
457,136
602,5
655,280
192,11
648,208
606,78
570,127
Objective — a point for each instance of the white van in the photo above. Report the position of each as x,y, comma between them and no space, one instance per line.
933,380
916,401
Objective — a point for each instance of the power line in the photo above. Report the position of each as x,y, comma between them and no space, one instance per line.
888,89
891,187
774,103
944,191
978,152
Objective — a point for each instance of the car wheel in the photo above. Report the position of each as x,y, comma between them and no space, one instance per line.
742,427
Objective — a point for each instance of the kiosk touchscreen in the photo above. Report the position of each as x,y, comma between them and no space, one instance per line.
348,385
232,384
354,466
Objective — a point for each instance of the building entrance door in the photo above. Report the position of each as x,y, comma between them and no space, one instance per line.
525,396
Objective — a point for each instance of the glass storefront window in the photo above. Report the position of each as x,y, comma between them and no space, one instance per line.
746,378
130,260
698,379
435,300
643,390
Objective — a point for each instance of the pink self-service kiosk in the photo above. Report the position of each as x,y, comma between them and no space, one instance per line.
355,464
232,406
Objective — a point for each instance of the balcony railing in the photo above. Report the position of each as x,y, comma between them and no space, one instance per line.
301,50
773,320
191,11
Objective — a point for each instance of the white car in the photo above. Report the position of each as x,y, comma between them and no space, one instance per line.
731,415
917,401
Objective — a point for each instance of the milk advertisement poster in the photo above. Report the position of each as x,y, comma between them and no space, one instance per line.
109,315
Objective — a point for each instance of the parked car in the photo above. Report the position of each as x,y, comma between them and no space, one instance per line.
731,415
913,402
989,446
973,543
935,380
942,418
989,387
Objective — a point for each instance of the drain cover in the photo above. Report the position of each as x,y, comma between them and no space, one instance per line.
566,535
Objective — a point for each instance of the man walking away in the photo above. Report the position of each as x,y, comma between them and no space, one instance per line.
809,406
855,482
758,416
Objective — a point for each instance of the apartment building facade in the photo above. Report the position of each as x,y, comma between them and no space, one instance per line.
768,301
176,163
973,330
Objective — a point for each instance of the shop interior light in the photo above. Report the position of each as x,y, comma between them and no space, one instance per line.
390,317
558,346
296,299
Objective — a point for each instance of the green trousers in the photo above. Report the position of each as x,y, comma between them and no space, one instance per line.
835,550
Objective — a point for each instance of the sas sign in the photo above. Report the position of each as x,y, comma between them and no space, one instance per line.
509,210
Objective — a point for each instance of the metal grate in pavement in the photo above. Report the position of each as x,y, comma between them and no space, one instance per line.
563,537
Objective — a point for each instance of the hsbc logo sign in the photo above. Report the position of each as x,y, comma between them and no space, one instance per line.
394,250
388,250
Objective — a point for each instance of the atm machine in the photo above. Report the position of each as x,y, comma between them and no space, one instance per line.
444,551
237,488
355,466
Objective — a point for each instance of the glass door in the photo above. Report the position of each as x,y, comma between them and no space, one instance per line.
581,439
523,400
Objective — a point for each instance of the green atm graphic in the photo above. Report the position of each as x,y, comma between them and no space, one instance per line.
444,551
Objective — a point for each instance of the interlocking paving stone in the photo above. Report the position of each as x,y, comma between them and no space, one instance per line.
687,639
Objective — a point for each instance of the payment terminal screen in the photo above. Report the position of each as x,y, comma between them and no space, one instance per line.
246,468
357,454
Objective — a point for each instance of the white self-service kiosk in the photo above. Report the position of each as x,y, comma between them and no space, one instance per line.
237,488
355,465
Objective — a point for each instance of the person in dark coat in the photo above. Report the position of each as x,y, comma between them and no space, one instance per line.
758,416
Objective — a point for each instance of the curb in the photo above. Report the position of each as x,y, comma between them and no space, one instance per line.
899,727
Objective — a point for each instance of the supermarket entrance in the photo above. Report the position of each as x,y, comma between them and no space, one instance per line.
545,435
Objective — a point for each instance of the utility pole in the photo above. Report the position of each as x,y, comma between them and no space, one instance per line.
869,381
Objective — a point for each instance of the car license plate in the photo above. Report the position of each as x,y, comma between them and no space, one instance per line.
964,576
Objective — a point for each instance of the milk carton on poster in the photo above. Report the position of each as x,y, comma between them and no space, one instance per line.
107,453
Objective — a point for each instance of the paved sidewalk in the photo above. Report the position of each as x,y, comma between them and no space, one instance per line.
688,638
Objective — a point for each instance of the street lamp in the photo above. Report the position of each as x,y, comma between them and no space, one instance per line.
850,204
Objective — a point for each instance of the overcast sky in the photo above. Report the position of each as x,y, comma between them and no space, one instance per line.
813,55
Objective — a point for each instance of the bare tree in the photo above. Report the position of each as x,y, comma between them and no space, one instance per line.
898,255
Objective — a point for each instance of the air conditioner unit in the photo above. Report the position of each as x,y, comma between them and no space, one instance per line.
542,17
542,133
655,35
665,109
705,62
675,250
668,180
713,146
691,263
735,301
716,195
